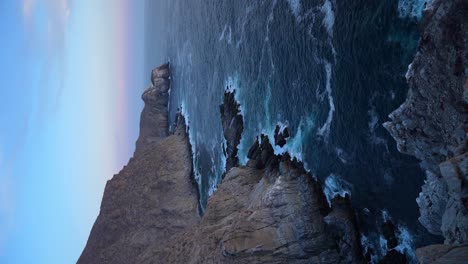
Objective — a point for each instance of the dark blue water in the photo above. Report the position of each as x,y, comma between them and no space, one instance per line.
331,70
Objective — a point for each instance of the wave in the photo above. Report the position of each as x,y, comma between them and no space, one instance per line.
226,34
197,175
295,6
329,17
336,186
325,129
405,243
295,145
412,8
342,155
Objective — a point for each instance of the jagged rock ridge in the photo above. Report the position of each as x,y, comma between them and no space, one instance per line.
233,126
153,197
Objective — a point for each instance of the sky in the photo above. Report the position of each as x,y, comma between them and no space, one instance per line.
71,73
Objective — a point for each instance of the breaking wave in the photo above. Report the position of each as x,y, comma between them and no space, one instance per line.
336,186
412,8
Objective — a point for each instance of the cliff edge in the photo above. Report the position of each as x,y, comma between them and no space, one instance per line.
432,124
153,197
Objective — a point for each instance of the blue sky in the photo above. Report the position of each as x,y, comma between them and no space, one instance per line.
71,78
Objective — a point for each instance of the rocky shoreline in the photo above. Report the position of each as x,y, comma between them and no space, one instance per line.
269,211
272,210
432,125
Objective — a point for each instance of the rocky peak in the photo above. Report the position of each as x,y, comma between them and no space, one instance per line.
233,126
153,197
154,117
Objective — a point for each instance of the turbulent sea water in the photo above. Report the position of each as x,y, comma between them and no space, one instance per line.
332,70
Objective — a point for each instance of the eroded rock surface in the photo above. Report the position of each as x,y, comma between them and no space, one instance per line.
233,126
432,124
269,211
443,254
153,197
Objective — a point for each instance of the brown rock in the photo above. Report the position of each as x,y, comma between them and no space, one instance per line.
443,254
271,211
151,199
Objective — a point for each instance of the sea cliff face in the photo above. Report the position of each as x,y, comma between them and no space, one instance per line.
269,211
153,197
432,124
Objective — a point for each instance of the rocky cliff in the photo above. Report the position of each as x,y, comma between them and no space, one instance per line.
153,197
432,124
269,211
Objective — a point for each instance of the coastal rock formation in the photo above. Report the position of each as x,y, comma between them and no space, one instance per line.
154,117
432,124
269,211
153,197
233,126
443,254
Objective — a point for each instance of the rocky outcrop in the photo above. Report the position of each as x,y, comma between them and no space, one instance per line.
233,126
153,197
432,124
269,211
154,117
443,254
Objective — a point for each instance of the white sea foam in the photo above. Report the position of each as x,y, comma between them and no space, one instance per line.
294,144
183,110
329,17
383,246
385,216
295,6
405,243
336,186
325,129
412,8
405,239
342,155
226,34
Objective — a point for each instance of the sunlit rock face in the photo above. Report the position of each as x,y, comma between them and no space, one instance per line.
432,124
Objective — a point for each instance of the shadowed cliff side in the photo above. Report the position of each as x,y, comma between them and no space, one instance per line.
432,124
153,197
